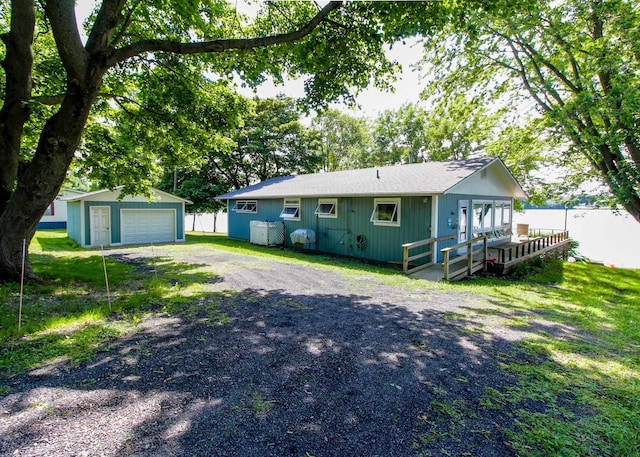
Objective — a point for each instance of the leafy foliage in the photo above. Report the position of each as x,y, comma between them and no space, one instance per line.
270,142
344,140
576,62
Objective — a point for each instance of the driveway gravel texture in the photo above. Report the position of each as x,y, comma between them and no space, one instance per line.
298,360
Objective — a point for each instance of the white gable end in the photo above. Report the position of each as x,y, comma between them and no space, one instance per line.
494,180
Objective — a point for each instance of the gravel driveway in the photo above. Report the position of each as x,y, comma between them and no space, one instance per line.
306,362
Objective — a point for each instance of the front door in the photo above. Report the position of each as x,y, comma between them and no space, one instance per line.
99,225
463,223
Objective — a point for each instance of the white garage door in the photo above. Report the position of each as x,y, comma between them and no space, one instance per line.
141,226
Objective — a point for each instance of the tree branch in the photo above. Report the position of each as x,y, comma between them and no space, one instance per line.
141,47
535,56
549,88
523,75
108,18
62,16
125,24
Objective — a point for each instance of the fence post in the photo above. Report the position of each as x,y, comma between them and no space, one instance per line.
485,253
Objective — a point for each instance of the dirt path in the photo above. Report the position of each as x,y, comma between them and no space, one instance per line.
307,363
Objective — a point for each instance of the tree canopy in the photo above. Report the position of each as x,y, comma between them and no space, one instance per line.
575,63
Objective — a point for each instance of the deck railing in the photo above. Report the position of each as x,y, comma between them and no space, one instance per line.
474,260
531,248
406,259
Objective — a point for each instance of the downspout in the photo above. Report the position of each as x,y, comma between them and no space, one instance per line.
434,225
317,228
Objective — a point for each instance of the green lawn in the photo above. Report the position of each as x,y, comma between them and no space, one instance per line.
580,362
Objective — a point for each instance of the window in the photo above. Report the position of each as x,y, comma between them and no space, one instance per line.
386,211
506,214
477,216
502,214
327,207
491,218
246,206
291,210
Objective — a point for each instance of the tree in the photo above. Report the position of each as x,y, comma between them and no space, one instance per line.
198,187
453,128
173,107
344,140
272,142
458,127
290,37
400,135
577,62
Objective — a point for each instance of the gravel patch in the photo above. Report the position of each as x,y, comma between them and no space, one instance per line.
307,363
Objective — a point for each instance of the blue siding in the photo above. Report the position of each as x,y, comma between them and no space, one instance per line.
51,225
340,235
239,223
74,228
115,207
381,243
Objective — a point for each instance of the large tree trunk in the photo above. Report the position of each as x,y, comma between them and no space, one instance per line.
17,65
42,179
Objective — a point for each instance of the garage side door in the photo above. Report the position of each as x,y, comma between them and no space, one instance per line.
141,226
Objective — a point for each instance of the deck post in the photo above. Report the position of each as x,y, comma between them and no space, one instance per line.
485,253
405,258
445,264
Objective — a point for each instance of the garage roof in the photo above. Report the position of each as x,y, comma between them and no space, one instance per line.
159,195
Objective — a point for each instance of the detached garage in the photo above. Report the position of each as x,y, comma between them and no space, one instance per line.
102,219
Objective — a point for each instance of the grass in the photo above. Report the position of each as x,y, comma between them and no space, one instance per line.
579,365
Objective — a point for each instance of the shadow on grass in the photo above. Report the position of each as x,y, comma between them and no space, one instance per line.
70,313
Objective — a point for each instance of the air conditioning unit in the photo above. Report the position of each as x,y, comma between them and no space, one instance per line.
266,233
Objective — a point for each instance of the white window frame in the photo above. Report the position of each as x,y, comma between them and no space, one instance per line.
396,212
492,229
288,205
321,211
244,206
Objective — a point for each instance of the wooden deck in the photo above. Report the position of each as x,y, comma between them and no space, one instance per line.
500,258
506,256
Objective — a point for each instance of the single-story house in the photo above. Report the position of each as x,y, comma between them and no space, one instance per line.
103,218
55,217
370,213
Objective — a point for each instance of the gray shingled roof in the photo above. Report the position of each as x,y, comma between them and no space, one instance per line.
426,178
